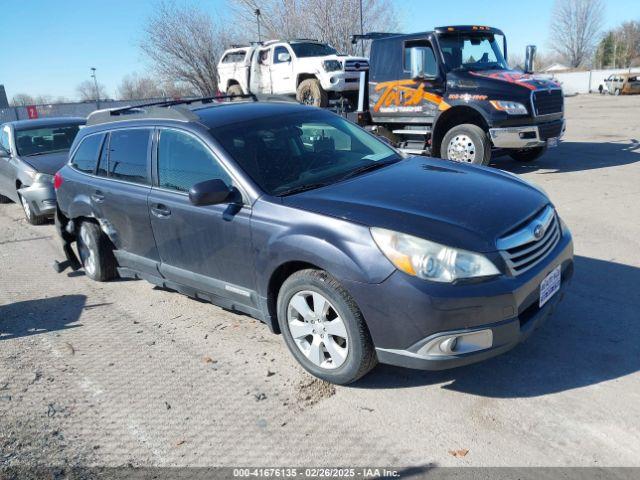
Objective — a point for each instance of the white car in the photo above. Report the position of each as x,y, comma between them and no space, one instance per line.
311,70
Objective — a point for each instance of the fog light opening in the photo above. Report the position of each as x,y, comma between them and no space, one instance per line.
449,345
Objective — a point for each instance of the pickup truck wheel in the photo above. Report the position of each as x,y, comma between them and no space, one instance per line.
235,90
96,253
528,155
466,143
323,327
29,214
310,92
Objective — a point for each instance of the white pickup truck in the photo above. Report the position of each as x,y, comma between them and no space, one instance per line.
310,70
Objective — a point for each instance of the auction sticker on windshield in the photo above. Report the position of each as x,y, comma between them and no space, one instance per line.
550,285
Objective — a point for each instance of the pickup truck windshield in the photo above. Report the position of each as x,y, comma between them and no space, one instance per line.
312,49
302,151
45,140
471,51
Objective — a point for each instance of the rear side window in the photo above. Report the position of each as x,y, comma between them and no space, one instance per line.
184,161
234,57
128,152
86,156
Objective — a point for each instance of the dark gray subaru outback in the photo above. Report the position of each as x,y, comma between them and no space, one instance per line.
303,220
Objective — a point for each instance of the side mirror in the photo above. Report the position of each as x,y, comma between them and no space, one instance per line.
423,63
210,192
530,57
284,57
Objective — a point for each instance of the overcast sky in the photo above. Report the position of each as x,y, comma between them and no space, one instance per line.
48,46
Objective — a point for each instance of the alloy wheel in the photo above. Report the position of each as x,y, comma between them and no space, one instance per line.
87,252
317,329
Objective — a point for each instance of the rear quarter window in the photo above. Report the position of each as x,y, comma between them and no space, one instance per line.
86,156
234,57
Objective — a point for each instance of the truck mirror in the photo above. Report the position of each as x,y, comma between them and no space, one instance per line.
284,57
423,63
529,62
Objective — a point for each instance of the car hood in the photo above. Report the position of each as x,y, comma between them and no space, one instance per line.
317,61
49,163
499,82
460,205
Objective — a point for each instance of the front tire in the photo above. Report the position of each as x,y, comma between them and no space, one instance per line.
29,214
96,253
466,143
310,92
323,328
528,155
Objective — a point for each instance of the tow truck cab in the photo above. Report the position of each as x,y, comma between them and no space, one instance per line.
451,93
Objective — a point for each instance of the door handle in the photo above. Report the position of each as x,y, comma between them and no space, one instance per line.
97,196
160,210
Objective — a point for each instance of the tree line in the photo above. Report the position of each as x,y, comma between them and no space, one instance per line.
183,43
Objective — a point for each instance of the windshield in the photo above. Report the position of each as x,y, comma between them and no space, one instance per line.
312,49
40,141
302,151
471,51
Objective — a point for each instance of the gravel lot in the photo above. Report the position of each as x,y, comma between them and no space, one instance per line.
125,373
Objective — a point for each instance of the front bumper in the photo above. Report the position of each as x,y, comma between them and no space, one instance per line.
340,81
406,314
41,198
529,136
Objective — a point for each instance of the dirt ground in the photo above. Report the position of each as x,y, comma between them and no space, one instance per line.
123,373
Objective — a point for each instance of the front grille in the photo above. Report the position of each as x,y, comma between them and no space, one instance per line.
546,102
524,249
356,65
549,130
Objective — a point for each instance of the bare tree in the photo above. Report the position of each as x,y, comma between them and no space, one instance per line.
184,45
134,86
86,91
22,100
575,26
628,36
330,21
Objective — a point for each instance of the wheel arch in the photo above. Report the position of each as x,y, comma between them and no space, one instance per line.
301,77
451,117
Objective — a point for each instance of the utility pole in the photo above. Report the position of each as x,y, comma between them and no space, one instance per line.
361,29
95,83
257,12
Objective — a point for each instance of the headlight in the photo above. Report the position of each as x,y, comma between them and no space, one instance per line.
429,260
43,178
332,65
512,108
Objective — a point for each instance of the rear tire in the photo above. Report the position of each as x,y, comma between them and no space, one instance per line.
466,143
310,92
528,155
96,253
331,341
31,217
235,89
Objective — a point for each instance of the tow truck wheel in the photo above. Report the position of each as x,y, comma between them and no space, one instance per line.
310,92
528,155
96,253
29,214
466,143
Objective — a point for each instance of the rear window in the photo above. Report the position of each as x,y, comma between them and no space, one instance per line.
86,156
128,152
39,141
234,57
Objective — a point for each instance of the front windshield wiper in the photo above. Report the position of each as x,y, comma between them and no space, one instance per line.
302,188
367,168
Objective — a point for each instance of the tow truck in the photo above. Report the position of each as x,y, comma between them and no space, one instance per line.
450,93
